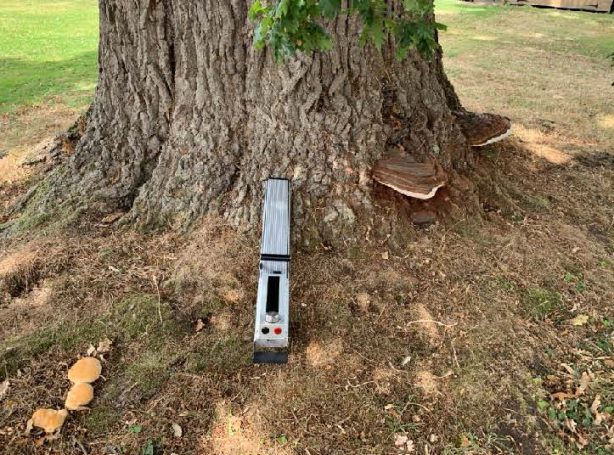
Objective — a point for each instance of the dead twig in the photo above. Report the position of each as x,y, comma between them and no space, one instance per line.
411,403
354,386
431,321
454,353
78,444
155,281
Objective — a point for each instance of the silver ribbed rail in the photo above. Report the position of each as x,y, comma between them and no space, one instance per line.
273,300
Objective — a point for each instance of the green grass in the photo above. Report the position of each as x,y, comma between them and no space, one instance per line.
541,66
458,7
136,319
542,303
485,26
48,50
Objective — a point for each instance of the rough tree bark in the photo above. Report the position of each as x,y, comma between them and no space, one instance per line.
189,118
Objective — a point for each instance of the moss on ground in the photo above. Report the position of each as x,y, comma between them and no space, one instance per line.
137,318
542,303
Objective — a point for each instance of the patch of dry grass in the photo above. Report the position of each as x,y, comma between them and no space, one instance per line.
545,69
454,302
25,132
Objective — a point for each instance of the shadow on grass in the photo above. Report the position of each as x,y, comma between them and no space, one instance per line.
25,82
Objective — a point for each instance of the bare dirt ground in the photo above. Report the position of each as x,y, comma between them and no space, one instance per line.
490,333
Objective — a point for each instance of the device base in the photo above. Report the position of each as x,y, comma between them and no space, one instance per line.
274,357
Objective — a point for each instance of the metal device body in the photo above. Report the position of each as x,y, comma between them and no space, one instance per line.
273,301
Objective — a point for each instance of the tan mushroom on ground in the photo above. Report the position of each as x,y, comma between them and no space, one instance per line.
404,174
483,129
49,420
87,369
79,395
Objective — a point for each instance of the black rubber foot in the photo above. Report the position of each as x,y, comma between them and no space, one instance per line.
270,357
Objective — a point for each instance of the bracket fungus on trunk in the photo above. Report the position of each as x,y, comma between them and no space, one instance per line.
483,129
405,175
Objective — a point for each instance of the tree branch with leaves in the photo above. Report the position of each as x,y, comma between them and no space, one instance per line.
291,26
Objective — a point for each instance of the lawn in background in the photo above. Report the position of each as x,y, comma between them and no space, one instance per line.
48,51
546,69
551,29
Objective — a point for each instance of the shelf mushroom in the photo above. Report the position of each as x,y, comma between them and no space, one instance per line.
483,129
404,174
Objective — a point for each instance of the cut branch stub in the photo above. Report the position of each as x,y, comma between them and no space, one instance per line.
405,175
483,129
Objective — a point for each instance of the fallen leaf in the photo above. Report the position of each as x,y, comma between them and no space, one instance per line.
562,396
584,382
200,325
91,351
385,255
571,425
400,440
596,404
410,446
465,442
579,320
130,419
104,346
4,388
39,441
363,301
112,218
599,416
581,442
177,431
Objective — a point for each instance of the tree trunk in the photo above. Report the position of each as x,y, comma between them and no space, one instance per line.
189,119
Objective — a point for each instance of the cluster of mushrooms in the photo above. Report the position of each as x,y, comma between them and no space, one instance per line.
82,374
402,173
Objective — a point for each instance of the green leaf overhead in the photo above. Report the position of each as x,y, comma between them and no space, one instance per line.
330,8
291,26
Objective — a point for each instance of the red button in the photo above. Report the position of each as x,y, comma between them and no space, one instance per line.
277,330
